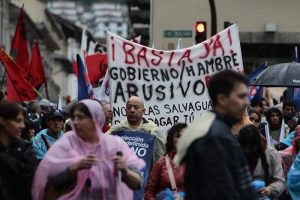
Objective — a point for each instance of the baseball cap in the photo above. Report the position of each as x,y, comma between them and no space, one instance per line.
56,114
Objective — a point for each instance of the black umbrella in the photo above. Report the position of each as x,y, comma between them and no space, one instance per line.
280,75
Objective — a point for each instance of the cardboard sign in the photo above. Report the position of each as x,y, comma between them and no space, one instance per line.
142,145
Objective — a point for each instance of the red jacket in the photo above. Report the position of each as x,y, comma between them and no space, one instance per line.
159,179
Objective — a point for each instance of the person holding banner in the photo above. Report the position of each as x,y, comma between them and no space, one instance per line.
160,176
135,122
215,165
87,164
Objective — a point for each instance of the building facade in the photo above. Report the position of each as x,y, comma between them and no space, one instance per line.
98,17
269,29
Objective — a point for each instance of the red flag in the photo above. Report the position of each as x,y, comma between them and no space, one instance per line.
19,48
19,89
36,74
96,66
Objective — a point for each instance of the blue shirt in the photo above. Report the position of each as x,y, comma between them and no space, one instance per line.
39,145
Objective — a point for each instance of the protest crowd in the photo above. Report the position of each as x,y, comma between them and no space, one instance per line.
74,153
192,131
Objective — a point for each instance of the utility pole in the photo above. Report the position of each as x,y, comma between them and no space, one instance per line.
213,13
2,37
2,33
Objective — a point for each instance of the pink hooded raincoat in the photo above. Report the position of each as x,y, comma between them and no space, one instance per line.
70,149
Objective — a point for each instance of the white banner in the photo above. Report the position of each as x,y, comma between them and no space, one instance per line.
173,84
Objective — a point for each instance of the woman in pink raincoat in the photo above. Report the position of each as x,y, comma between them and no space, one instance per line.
87,164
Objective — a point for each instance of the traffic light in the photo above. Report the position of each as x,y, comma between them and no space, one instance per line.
200,31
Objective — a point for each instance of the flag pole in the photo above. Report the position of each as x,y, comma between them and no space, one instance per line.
38,93
46,89
296,53
3,78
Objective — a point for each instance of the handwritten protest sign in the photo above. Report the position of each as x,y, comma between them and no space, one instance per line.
142,145
173,84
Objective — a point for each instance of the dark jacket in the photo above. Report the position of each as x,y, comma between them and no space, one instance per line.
17,167
216,168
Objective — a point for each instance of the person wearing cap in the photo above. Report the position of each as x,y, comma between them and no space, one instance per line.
47,137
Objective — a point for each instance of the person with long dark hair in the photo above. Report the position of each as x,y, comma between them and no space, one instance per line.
159,178
28,132
264,162
17,159
255,117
